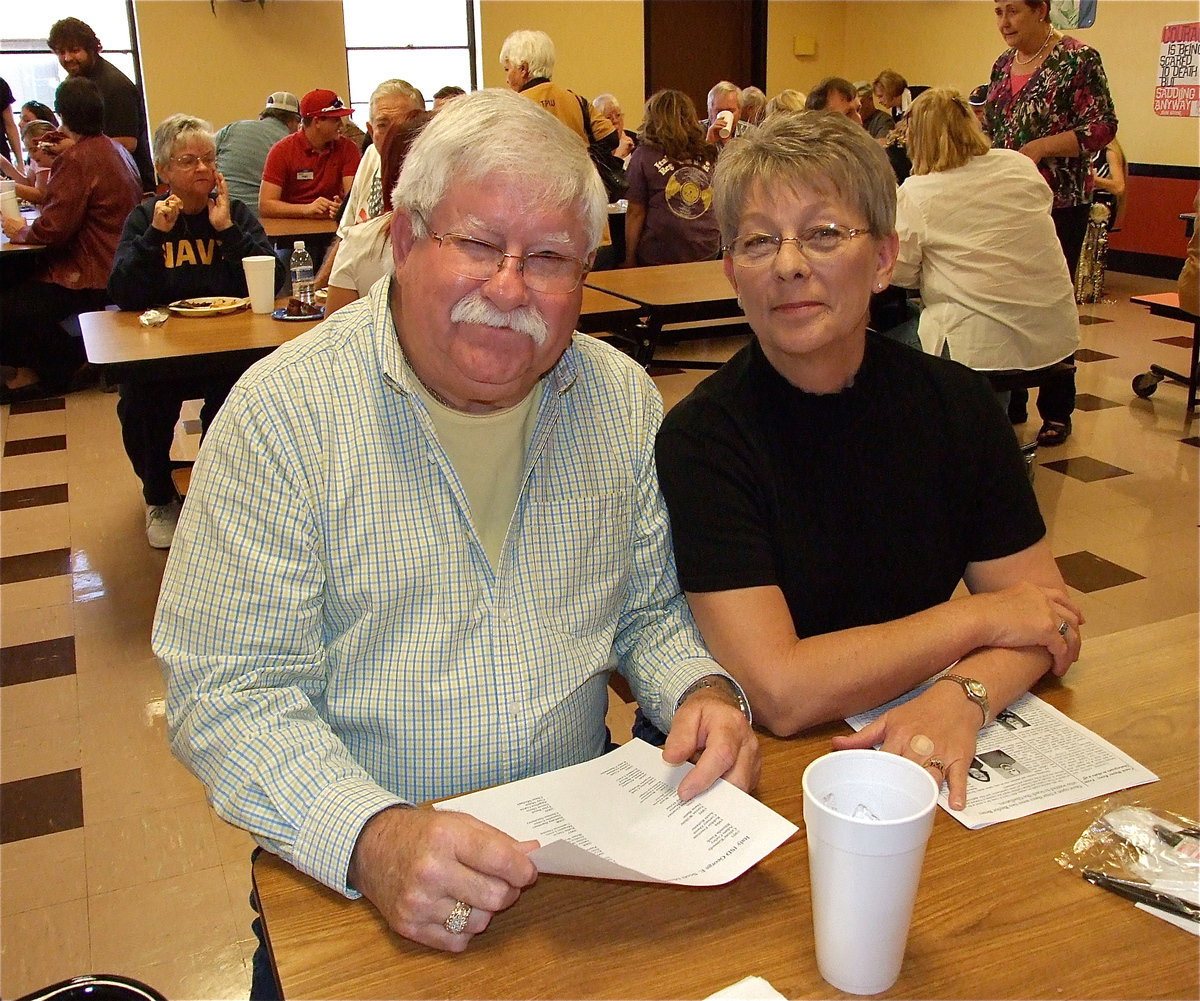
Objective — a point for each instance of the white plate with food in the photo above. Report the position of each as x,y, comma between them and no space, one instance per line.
208,305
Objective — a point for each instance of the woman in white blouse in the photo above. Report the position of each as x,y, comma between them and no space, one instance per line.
977,239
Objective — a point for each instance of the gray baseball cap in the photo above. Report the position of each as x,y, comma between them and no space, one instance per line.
284,101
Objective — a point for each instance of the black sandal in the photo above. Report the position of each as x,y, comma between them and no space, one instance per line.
1053,433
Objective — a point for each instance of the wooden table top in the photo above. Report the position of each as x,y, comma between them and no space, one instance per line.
297,228
668,284
995,915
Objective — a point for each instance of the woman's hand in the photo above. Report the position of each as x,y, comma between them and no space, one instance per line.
166,213
218,206
948,724
12,227
1028,614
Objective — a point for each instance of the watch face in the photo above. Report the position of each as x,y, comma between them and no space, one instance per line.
976,688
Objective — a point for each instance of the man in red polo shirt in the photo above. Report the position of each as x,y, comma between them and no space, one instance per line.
308,173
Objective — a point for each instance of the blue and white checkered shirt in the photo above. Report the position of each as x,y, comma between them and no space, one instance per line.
333,636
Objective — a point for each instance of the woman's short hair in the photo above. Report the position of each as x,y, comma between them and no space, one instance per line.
472,138
533,48
80,106
70,32
174,128
786,100
669,122
820,151
943,132
892,83
32,131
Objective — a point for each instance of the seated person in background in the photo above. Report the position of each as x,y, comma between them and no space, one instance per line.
93,186
309,173
242,147
444,94
977,239
1109,171
887,95
418,538
365,255
785,100
392,102
607,106
35,111
724,96
978,102
828,488
752,105
188,242
31,183
838,95
670,218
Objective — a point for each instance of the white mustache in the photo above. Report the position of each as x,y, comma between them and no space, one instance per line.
528,320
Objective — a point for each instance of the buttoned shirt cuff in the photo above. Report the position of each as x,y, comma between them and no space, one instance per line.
329,833
688,674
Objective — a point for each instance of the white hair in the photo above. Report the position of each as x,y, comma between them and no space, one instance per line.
723,87
533,48
397,87
171,130
496,132
604,103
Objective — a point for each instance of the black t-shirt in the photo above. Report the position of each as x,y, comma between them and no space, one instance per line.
861,506
6,101
124,115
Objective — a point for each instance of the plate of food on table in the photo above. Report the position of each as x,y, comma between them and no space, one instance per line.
208,305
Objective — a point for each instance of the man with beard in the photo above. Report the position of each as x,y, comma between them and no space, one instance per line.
78,51
418,536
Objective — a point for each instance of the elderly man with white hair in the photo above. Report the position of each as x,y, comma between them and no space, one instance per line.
724,96
417,537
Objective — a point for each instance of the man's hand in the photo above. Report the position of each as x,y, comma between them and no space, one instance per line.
324,208
711,723
165,213
218,206
413,865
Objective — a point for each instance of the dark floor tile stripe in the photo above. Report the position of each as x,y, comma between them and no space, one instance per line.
1194,440
1089,402
1176,342
26,662
18,500
1085,468
1089,320
34,566
1088,572
45,804
30,446
1089,354
38,406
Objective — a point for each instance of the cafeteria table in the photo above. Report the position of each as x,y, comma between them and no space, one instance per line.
672,293
116,340
1167,304
995,916
297,229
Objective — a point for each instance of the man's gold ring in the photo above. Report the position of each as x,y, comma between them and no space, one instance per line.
456,923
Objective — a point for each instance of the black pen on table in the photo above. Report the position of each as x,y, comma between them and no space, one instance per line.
1142,894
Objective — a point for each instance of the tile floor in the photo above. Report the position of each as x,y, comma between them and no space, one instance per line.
110,859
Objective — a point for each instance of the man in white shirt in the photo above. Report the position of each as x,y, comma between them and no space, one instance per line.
392,102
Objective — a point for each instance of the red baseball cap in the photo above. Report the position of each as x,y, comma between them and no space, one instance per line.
323,104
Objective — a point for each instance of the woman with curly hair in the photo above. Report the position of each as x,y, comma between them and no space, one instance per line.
670,218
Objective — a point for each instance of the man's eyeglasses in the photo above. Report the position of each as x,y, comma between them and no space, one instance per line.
754,250
479,260
191,162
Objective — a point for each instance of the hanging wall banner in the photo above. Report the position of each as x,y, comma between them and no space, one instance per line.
1177,92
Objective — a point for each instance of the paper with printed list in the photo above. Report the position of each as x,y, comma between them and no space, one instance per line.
619,817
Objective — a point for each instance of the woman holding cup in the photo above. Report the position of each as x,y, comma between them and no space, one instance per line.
829,488
186,243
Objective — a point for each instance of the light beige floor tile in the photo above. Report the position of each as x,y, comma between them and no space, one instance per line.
35,624
36,530
37,703
162,922
237,884
39,872
41,469
1161,596
40,947
31,594
233,844
1149,555
213,973
149,847
49,746
37,425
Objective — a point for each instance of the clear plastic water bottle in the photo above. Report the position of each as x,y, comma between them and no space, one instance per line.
301,268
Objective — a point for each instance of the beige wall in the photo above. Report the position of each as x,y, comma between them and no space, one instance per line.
599,45
955,42
223,66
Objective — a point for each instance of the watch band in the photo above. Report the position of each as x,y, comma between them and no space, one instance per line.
718,681
974,690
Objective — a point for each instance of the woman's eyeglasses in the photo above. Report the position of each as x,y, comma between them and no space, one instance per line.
189,161
754,250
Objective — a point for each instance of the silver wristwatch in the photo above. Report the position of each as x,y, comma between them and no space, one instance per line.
974,690
718,681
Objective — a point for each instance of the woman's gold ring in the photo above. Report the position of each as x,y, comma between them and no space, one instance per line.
456,923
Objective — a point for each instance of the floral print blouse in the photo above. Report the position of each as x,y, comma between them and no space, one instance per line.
1067,93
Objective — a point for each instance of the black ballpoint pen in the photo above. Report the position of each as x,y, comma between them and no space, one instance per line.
1142,894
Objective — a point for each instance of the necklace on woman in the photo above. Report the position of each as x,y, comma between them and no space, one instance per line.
1025,62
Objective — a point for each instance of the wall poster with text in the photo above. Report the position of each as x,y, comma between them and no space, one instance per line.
1177,89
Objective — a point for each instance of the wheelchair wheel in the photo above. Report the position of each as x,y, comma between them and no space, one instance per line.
1145,384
